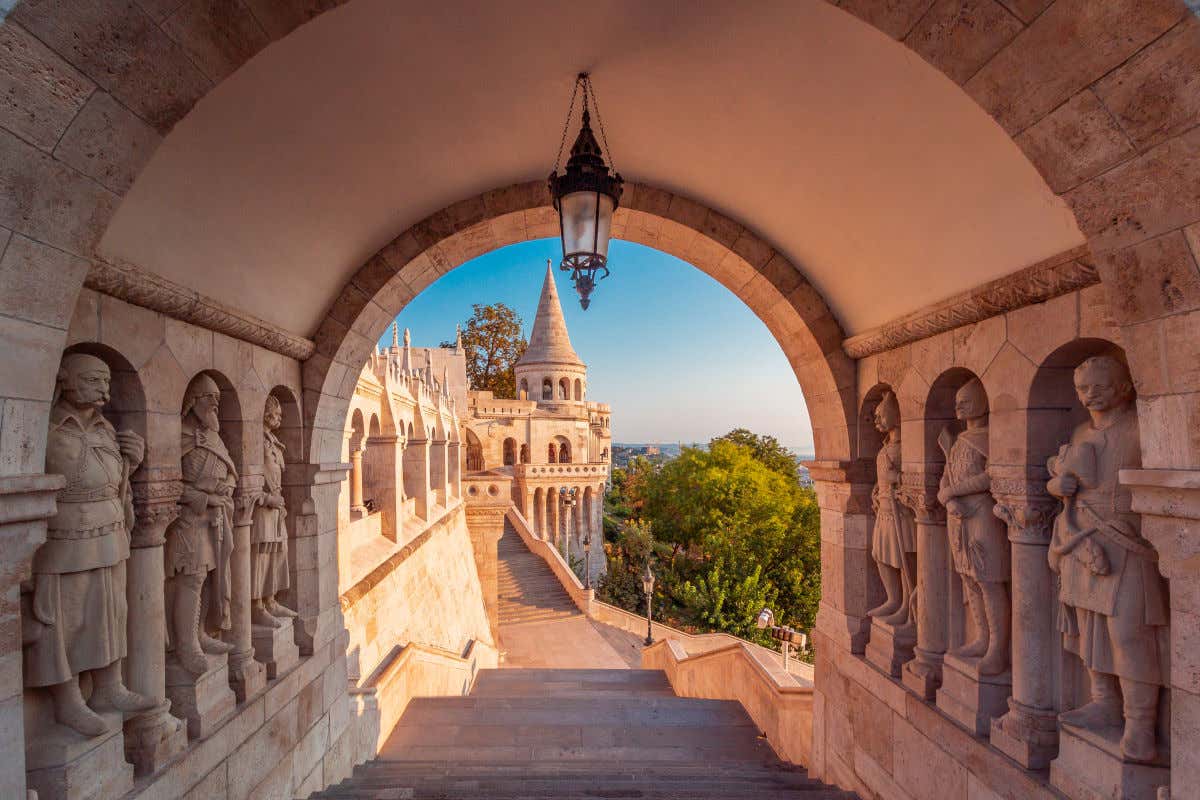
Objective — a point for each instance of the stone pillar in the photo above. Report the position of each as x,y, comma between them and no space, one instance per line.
454,466
849,587
416,475
1169,502
488,497
312,504
247,676
1028,732
383,468
356,482
923,674
438,470
26,503
153,737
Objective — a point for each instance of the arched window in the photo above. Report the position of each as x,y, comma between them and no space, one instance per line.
578,389
474,453
564,450
552,453
547,389
523,394
510,452
564,389
524,454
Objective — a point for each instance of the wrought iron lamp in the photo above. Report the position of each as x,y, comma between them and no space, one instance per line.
587,560
586,196
648,588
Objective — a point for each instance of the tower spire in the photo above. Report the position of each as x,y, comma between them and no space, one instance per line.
549,341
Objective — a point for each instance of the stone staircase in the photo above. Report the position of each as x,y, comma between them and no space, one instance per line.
528,590
574,734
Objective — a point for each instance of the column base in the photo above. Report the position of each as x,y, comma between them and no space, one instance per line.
247,677
1027,735
153,738
970,699
64,765
923,674
891,646
847,630
275,648
1090,767
203,701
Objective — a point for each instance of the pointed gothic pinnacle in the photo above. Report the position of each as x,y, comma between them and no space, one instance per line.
407,338
549,341
395,334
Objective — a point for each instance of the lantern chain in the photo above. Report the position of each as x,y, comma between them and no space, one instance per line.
567,125
599,120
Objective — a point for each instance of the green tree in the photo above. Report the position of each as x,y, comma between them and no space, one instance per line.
493,342
766,449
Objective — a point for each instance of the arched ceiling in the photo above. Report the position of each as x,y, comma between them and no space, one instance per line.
869,169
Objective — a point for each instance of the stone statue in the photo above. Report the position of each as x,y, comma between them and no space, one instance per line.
268,534
978,539
200,541
1113,601
894,541
76,617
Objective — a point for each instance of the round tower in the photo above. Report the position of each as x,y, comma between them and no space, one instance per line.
550,372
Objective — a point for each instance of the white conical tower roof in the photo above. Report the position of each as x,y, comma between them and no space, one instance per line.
549,341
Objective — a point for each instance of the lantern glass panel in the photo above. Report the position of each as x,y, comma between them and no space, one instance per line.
579,230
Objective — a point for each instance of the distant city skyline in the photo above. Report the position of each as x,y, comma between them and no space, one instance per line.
678,356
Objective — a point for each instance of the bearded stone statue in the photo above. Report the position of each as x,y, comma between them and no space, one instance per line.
200,542
268,534
893,540
978,539
1114,613
76,618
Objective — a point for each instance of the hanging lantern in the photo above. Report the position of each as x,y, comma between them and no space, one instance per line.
586,196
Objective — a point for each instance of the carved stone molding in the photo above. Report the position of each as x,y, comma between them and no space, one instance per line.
1030,518
167,297
1048,279
155,505
918,492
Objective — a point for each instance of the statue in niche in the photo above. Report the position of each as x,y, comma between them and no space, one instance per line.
1113,601
76,618
978,539
268,533
200,541
893,541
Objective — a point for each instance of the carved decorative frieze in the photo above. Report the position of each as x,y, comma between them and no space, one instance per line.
167,297
918,492
1066,272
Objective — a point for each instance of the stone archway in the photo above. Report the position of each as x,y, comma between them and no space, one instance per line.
751,268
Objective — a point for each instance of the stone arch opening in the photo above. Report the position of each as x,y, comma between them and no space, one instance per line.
510,451
474,452
578,389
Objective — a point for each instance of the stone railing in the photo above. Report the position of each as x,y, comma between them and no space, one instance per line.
780,704
565,470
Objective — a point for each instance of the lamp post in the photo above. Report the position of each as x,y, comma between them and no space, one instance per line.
567,499
586,196
587,560
648,588
780,633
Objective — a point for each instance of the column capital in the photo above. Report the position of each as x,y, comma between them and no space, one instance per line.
245,498
918,492
1029,517
155,507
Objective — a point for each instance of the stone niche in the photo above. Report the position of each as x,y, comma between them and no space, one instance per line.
110,707
1038,661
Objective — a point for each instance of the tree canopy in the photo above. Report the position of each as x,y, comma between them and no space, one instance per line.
766,449
493,343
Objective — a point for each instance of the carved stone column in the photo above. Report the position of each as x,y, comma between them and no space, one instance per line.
487,497
416,475
1028,733
153,737
849,587
923,674
356,482
247,676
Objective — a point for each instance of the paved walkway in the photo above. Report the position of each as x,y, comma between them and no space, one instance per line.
541,627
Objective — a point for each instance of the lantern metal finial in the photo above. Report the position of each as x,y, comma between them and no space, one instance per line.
586,196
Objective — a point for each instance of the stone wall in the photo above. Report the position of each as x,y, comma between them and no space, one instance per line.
898,690
427,593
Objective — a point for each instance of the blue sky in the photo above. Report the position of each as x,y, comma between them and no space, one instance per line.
675,353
